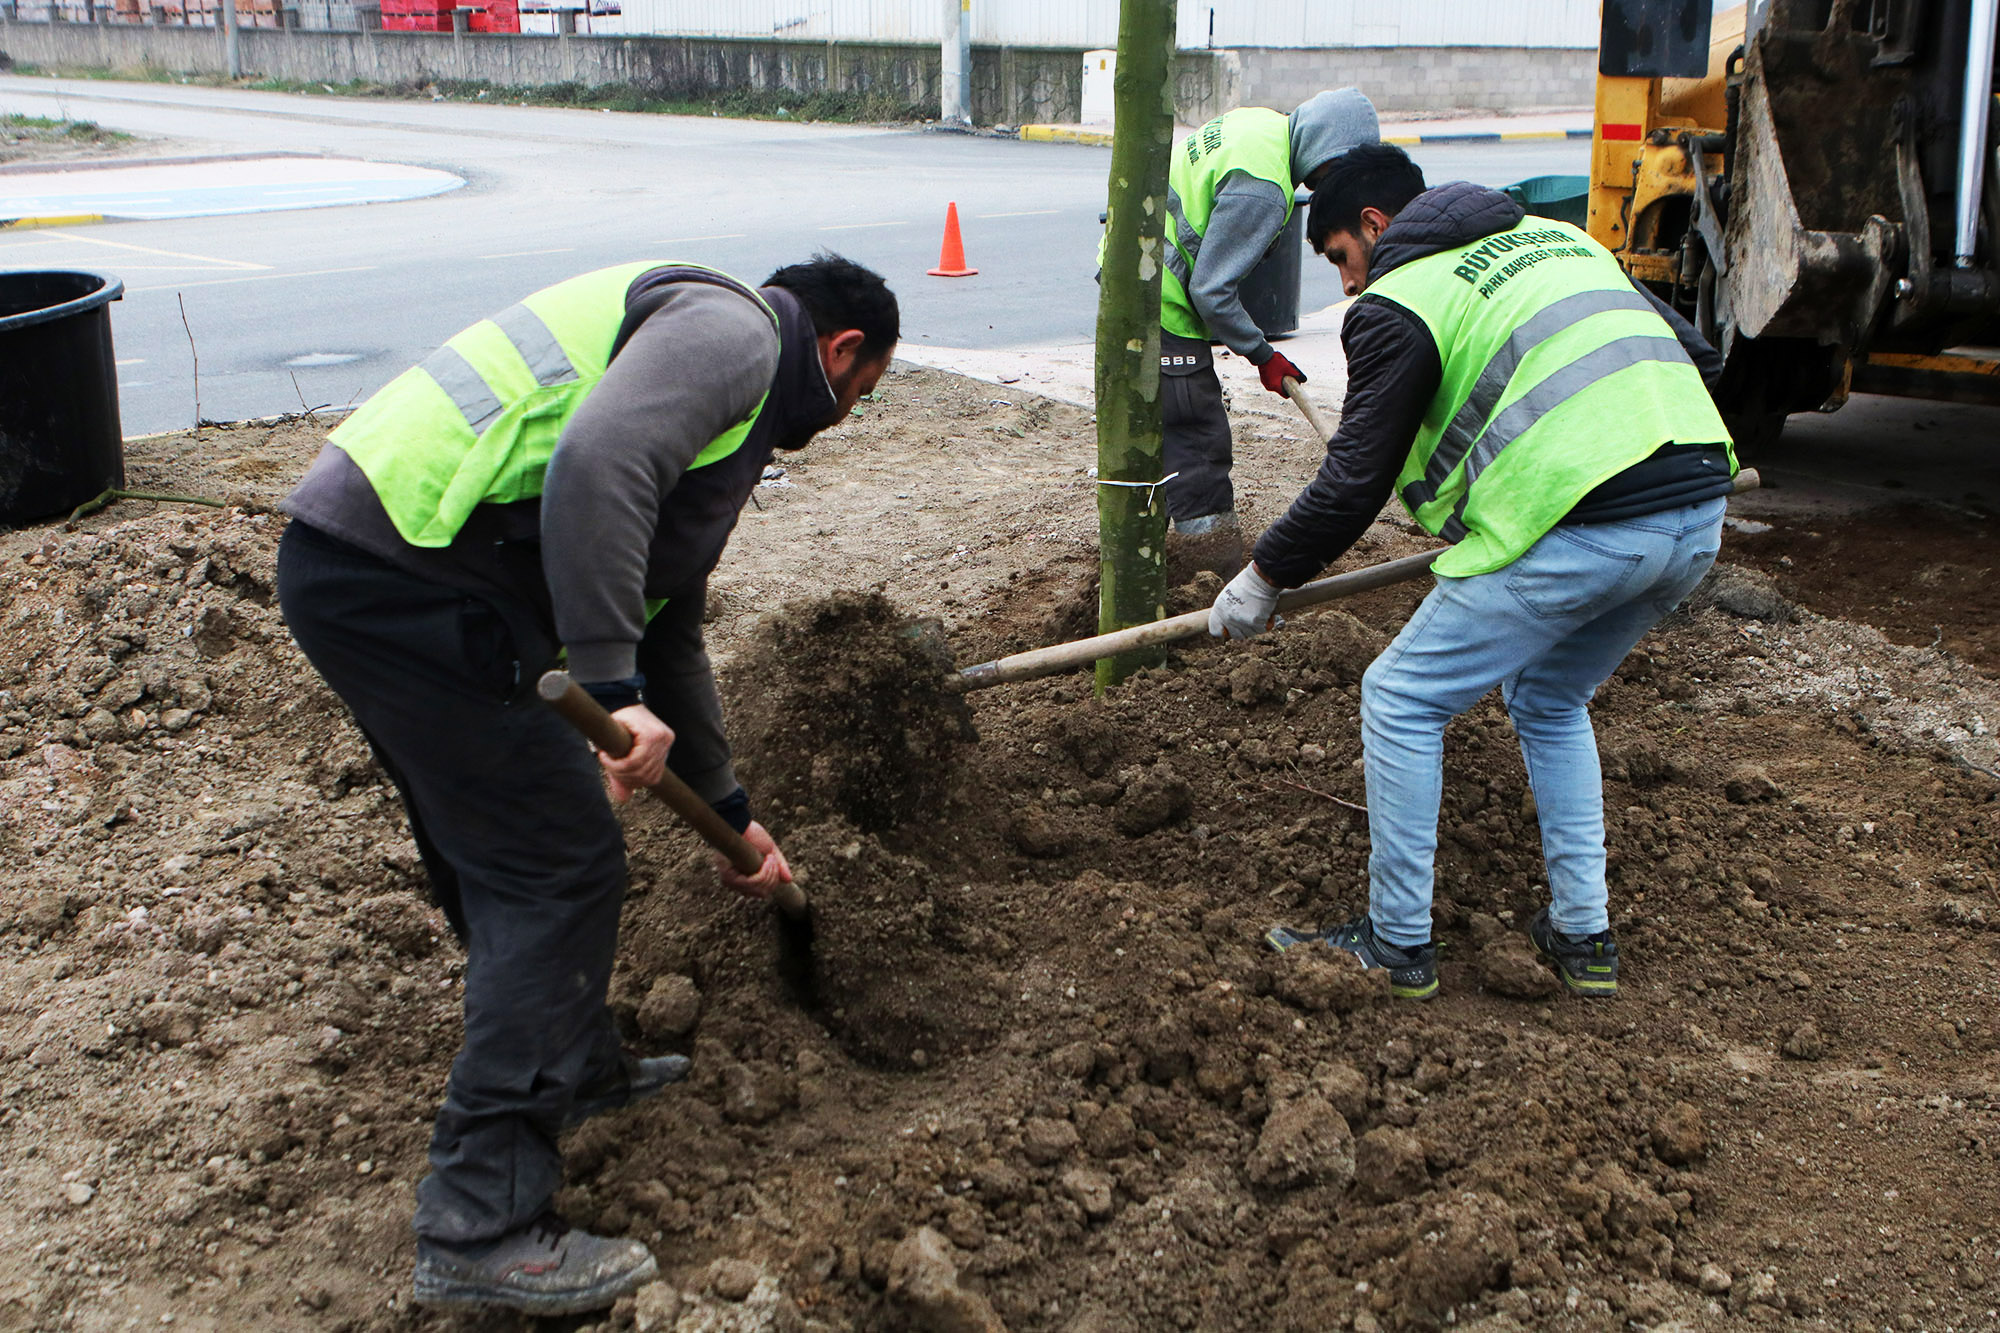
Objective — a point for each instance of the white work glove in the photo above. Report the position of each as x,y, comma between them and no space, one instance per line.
1245,608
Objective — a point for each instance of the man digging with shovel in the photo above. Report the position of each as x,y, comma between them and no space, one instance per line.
561,476
1535,409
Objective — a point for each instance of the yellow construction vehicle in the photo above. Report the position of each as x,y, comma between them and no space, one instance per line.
1814,183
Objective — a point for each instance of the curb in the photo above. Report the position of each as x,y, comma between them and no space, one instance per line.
51,220
117,163
1065,134
1483,136
1102,138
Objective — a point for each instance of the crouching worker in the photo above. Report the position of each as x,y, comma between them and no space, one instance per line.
563,474
1533,408
1229,196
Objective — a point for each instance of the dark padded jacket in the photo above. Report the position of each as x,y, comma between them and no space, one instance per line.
1393,371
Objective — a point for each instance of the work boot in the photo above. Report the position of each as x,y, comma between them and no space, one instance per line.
1413,972
1587,964
1212,542
547,1267
633,1080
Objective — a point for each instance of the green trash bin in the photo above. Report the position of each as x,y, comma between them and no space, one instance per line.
1564,198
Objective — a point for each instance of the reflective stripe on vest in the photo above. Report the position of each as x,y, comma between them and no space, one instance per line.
1251,140
1466,426
1556,375
477,420
1184,244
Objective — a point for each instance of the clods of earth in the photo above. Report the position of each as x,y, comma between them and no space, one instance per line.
1049,1080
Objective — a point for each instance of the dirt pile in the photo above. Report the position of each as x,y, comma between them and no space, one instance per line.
226,1011
907,973
840,708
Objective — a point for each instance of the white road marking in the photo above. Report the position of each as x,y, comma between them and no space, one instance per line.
260,277
1026,213
862,226
149,250
690,240
527,254
132,361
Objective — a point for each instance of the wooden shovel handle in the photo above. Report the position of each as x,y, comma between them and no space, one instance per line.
608,734
1038,662
1306,406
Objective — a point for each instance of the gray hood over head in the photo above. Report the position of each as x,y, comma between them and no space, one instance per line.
1326,125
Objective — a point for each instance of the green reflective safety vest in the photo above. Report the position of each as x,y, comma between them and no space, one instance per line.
1557,376
476,421
1251,140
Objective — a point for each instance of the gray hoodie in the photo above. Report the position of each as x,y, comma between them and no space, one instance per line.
1250,213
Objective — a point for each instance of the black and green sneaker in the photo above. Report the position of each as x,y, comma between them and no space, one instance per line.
1588,965
1413,972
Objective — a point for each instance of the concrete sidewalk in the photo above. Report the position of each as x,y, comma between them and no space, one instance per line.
1068,372
1558,124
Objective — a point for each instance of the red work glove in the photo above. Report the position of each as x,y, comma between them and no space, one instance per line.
1275,372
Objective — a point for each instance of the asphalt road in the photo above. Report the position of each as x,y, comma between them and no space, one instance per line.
342,299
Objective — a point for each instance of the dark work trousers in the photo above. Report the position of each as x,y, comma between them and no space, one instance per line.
523,853
1195,429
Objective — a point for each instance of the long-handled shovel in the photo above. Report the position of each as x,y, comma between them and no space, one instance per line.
1306,407
607,733
1063,656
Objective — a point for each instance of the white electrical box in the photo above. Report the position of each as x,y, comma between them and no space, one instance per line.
1099,68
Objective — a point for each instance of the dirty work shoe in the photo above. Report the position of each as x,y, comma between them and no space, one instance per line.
547,1267
634,1080
1587,965
1413,972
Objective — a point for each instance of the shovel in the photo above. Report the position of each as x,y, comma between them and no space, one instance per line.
607,733
1306,407
1064,656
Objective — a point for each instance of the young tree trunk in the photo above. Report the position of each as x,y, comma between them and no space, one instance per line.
1132,519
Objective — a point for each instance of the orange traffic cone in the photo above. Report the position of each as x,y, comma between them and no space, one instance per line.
951,259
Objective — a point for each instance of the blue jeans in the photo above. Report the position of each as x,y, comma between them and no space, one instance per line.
1548,629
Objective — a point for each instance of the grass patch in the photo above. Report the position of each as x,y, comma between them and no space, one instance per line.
42,129
740,104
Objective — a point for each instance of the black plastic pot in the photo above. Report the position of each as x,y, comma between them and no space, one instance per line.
1270,291
60,442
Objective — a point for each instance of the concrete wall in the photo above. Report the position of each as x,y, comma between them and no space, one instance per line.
1423,78
1089,24
1010,85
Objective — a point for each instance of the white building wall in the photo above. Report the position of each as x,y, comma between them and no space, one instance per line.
1094,23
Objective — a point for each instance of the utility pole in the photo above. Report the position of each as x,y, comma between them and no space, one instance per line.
955,85
232,54
1131,517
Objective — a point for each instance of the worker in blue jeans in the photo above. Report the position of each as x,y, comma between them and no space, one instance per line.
1534,408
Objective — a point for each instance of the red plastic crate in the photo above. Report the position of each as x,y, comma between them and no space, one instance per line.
498,16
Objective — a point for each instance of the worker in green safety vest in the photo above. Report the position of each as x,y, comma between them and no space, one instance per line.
1535,408
558,479
1229,197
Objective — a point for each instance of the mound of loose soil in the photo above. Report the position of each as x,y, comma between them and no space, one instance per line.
840,708
227,1012
905,975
